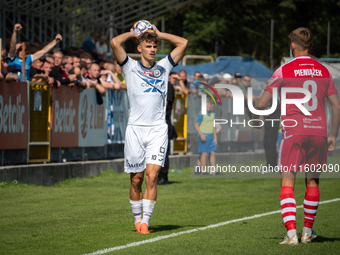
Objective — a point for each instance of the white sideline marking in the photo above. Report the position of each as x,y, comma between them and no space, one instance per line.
195,230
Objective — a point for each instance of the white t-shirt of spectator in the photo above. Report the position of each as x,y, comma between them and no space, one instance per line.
101,48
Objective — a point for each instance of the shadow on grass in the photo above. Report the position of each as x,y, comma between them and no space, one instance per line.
173,182
321,239
159,228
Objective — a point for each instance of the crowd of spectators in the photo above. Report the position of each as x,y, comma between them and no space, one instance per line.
85,67
92,66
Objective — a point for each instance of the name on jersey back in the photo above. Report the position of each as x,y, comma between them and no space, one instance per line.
307,72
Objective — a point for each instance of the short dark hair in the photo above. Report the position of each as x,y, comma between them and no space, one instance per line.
82,65
148,37
86,55
302,37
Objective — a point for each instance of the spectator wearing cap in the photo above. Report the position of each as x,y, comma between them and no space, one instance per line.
16,57
238,77
226,79
36,66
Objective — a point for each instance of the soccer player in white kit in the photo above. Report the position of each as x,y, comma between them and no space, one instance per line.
146,137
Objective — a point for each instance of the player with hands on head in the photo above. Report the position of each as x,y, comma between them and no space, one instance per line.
305,144
146,136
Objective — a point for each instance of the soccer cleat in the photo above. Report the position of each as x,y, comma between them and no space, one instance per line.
144,229
290,241
308,238
137,227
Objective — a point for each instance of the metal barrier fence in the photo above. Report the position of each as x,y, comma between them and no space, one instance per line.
77,128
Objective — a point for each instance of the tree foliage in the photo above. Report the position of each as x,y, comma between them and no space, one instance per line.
243,27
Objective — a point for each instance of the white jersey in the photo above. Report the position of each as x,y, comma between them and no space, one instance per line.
147,90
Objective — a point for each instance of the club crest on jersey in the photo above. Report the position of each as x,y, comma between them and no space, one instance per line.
157,73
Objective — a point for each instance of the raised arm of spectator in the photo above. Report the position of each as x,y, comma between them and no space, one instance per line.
111,85
117,42
47,48
12,49
180,44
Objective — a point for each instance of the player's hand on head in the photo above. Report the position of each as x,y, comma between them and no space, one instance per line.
156,29
17,27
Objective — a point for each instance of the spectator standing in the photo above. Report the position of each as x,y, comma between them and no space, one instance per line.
101,47
207,137
16,57
89,45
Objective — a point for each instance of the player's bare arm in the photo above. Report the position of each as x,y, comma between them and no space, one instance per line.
11,52
261,105
335,104
117,42
179,42
47,48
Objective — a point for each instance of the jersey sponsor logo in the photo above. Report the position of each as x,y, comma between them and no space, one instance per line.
307,72
153,83
148,72
134,165
154,157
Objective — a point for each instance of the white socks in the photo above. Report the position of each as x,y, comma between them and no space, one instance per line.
291,233
148,206
307,231
136,207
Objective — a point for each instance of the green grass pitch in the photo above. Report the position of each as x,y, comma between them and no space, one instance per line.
82,216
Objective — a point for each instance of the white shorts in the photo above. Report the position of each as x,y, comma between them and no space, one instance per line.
144,145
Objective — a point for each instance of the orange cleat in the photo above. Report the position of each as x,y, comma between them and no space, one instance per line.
144,229
137,227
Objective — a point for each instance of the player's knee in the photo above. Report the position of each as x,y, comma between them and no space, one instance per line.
136,184
151,179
